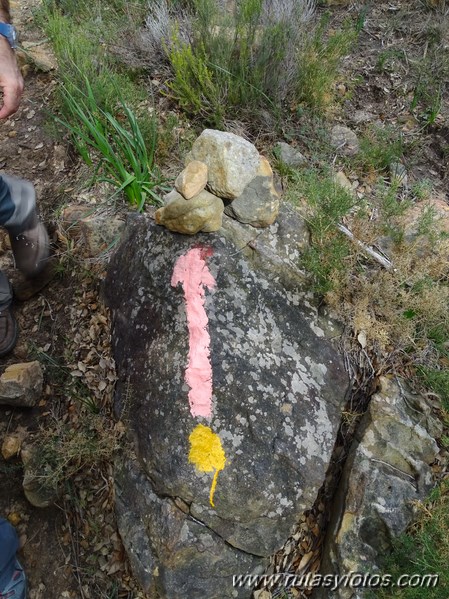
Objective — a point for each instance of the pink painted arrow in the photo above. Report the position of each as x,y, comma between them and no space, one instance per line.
192,272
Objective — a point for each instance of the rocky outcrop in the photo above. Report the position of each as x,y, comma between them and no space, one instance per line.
172,553
233,397
276,250
289,155
387,470
192,180
11,446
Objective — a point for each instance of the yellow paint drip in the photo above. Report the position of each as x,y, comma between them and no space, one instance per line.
207,454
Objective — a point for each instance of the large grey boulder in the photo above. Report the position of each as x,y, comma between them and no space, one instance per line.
278,387
387,470
172,554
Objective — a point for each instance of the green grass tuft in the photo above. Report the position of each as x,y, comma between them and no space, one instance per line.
323,203
424,550
118,150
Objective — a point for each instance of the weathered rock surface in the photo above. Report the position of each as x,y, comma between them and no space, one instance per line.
277,249
231,160
386,471
344,140
362,116
277,391
40,55
204,213
184,554
192,179
258,205
21,384
290,155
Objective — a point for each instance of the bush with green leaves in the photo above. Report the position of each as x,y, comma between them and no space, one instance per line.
257,55
380,147
430,73
81,34
99,102
318,64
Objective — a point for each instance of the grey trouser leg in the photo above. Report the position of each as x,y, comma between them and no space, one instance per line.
17,203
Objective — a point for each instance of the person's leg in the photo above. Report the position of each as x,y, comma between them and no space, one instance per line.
30,247
12,576
28,236
8,326
17,202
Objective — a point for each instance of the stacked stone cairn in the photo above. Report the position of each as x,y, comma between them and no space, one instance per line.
223,173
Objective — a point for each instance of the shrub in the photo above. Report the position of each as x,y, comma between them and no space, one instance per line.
193,83
323,204
319,61
258,56
79,45
379,148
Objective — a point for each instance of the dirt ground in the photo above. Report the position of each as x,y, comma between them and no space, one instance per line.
72,550
54,542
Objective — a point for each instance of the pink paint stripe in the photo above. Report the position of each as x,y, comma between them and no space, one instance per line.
192,272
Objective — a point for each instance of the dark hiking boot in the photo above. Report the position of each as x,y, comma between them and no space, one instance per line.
8,331
25,289
31,248
8,325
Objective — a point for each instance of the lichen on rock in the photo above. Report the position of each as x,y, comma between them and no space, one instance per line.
278,387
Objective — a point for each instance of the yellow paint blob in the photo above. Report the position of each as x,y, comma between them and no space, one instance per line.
207,454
